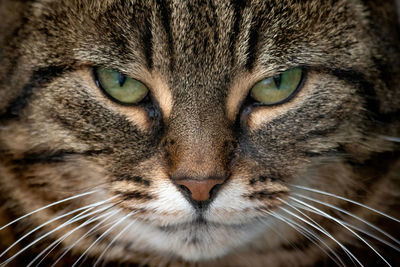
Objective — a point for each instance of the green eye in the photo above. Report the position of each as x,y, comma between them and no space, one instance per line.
277,89
119,87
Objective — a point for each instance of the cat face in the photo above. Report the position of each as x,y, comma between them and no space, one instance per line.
214,155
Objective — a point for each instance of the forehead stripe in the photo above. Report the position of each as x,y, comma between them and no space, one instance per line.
164,7
253,42
147,39
238,7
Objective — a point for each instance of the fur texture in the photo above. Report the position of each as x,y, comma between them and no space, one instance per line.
60,136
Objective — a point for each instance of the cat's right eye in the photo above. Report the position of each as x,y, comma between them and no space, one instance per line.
119,87
278,89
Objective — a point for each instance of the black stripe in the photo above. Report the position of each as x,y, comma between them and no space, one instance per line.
238,7
134,195
253,42
213,22
166,22
147,39
367,91
265,194
320,132
47,157
136,179
39,79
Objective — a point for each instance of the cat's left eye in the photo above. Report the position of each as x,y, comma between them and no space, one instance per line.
277,89
119,87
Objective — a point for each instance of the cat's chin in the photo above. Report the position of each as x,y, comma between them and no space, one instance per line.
195,241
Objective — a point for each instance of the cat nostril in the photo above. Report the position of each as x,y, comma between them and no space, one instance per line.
185,189
200,190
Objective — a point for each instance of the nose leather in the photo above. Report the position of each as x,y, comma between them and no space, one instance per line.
200,189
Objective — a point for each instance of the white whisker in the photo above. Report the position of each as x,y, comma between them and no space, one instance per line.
112,242
101,237
41,226
53,245
391,138
108,215
85,208
320,228
372,235
322,213
352,215
348,200
47,206
310,235
70,221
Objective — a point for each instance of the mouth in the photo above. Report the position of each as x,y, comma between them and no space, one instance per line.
199,224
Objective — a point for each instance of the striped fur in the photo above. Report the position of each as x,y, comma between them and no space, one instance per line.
60,136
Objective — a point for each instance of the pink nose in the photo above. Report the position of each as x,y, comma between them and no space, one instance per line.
200,189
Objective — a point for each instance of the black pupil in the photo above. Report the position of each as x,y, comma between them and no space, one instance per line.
277,80
121,79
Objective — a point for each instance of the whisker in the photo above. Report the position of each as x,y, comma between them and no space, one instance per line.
324,214
85,208
47,206
41,226
372,236
322,230
70,221
391,138
111,243
101,237
345,249
102,227
310,235
58,241
352,215
53,245
348,200
282,236
108,215
316,224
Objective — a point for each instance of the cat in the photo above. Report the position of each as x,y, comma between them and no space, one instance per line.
204,133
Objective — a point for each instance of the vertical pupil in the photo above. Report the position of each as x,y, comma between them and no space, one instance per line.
121,79
277,80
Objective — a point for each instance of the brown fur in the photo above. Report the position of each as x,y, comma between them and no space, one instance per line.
60,136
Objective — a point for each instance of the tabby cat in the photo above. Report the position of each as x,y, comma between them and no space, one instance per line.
204,133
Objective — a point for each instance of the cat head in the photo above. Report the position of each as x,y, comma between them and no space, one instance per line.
190,125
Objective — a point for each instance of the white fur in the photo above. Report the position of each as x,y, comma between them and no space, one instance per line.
228,226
